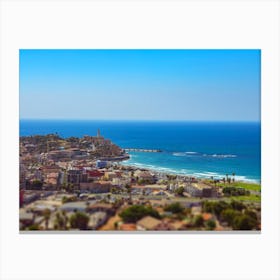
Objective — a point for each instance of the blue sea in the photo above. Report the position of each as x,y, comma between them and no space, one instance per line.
202,149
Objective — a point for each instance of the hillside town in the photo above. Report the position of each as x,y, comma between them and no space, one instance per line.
81,184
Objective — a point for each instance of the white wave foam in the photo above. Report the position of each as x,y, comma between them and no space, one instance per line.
245,179
225,156
200,174
186,154
211,173
185,172
133,156
207,174
220,155
179,154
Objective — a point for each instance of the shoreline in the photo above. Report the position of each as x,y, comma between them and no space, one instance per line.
168,171
124,158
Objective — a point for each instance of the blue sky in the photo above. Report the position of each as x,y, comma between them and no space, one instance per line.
202,85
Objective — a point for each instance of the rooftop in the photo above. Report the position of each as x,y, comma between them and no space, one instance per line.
128,227
148,222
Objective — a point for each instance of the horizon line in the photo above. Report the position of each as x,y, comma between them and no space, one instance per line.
132,120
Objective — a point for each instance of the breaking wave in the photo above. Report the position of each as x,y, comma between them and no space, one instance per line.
185,154
220,155
197,154
203,174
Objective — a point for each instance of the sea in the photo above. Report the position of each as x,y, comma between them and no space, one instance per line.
201,149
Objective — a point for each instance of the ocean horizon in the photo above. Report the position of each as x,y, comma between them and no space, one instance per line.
199,148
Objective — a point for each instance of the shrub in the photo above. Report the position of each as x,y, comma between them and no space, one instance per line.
211,225
79,220
244,222
235,191
198,221
33,227
136,212
228,215
174,208
237,205
180,191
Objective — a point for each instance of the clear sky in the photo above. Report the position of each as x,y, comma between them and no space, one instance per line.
211,85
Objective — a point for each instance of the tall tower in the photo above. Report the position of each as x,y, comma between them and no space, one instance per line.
98,133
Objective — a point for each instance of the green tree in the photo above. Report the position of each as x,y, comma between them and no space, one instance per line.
244,222
128,190
219,207
136,212
233,175
175,208
215,207
180,191
252,214
234,191
237,205
46,215
208,206
79,220
198,221
61,221
228,215
211,225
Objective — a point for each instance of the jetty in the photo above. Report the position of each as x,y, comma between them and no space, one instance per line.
143,150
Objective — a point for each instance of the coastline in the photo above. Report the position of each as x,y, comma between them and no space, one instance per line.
166,171
91,179
128,156
199,149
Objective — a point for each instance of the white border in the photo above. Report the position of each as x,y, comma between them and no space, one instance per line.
140,24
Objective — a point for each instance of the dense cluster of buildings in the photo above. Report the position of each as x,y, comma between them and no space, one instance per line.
62,177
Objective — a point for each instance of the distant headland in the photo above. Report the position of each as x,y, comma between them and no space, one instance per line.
54,147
